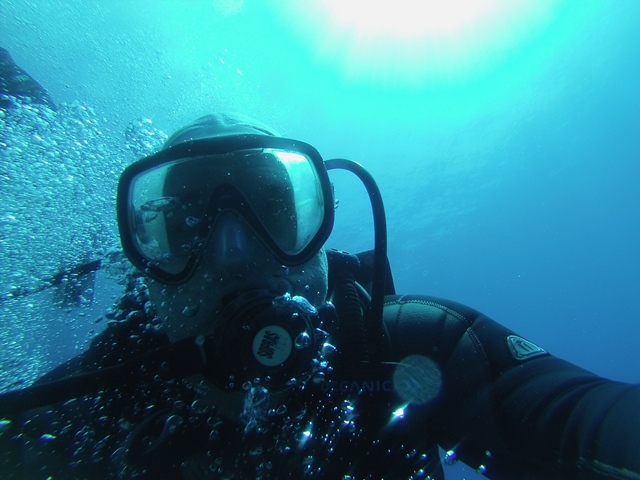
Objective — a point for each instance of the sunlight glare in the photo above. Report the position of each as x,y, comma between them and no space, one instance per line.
406,42
399,18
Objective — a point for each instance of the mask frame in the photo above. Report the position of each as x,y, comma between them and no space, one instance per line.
128,222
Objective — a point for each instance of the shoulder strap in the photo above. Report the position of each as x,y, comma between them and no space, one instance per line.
361,267
350,283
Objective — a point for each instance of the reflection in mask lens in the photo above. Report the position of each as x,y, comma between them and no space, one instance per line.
176,204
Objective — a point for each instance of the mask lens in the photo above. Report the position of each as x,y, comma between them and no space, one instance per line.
174,206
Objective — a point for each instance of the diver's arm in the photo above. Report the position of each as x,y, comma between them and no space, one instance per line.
512,410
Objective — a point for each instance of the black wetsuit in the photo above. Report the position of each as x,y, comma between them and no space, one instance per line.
493,400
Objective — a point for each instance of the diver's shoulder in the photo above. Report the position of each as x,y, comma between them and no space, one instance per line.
426,303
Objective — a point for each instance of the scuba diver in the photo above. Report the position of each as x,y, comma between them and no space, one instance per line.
242,348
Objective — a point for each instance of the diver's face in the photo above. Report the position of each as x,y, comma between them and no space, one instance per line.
234,261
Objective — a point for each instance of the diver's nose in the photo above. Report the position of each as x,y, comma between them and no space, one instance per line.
232,240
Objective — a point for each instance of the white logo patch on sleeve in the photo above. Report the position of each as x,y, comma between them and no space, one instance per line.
522,349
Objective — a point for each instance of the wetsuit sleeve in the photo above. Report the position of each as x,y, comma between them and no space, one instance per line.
508,408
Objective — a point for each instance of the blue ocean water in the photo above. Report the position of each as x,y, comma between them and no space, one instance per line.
511,185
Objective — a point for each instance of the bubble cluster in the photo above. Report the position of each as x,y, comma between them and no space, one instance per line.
58,178
57,186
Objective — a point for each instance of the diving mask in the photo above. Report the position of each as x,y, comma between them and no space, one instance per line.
169,203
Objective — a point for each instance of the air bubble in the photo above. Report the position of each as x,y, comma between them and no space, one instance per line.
199,406
327,349
450,457
172,423
192,221
190,310
5,425
303,341
46,438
